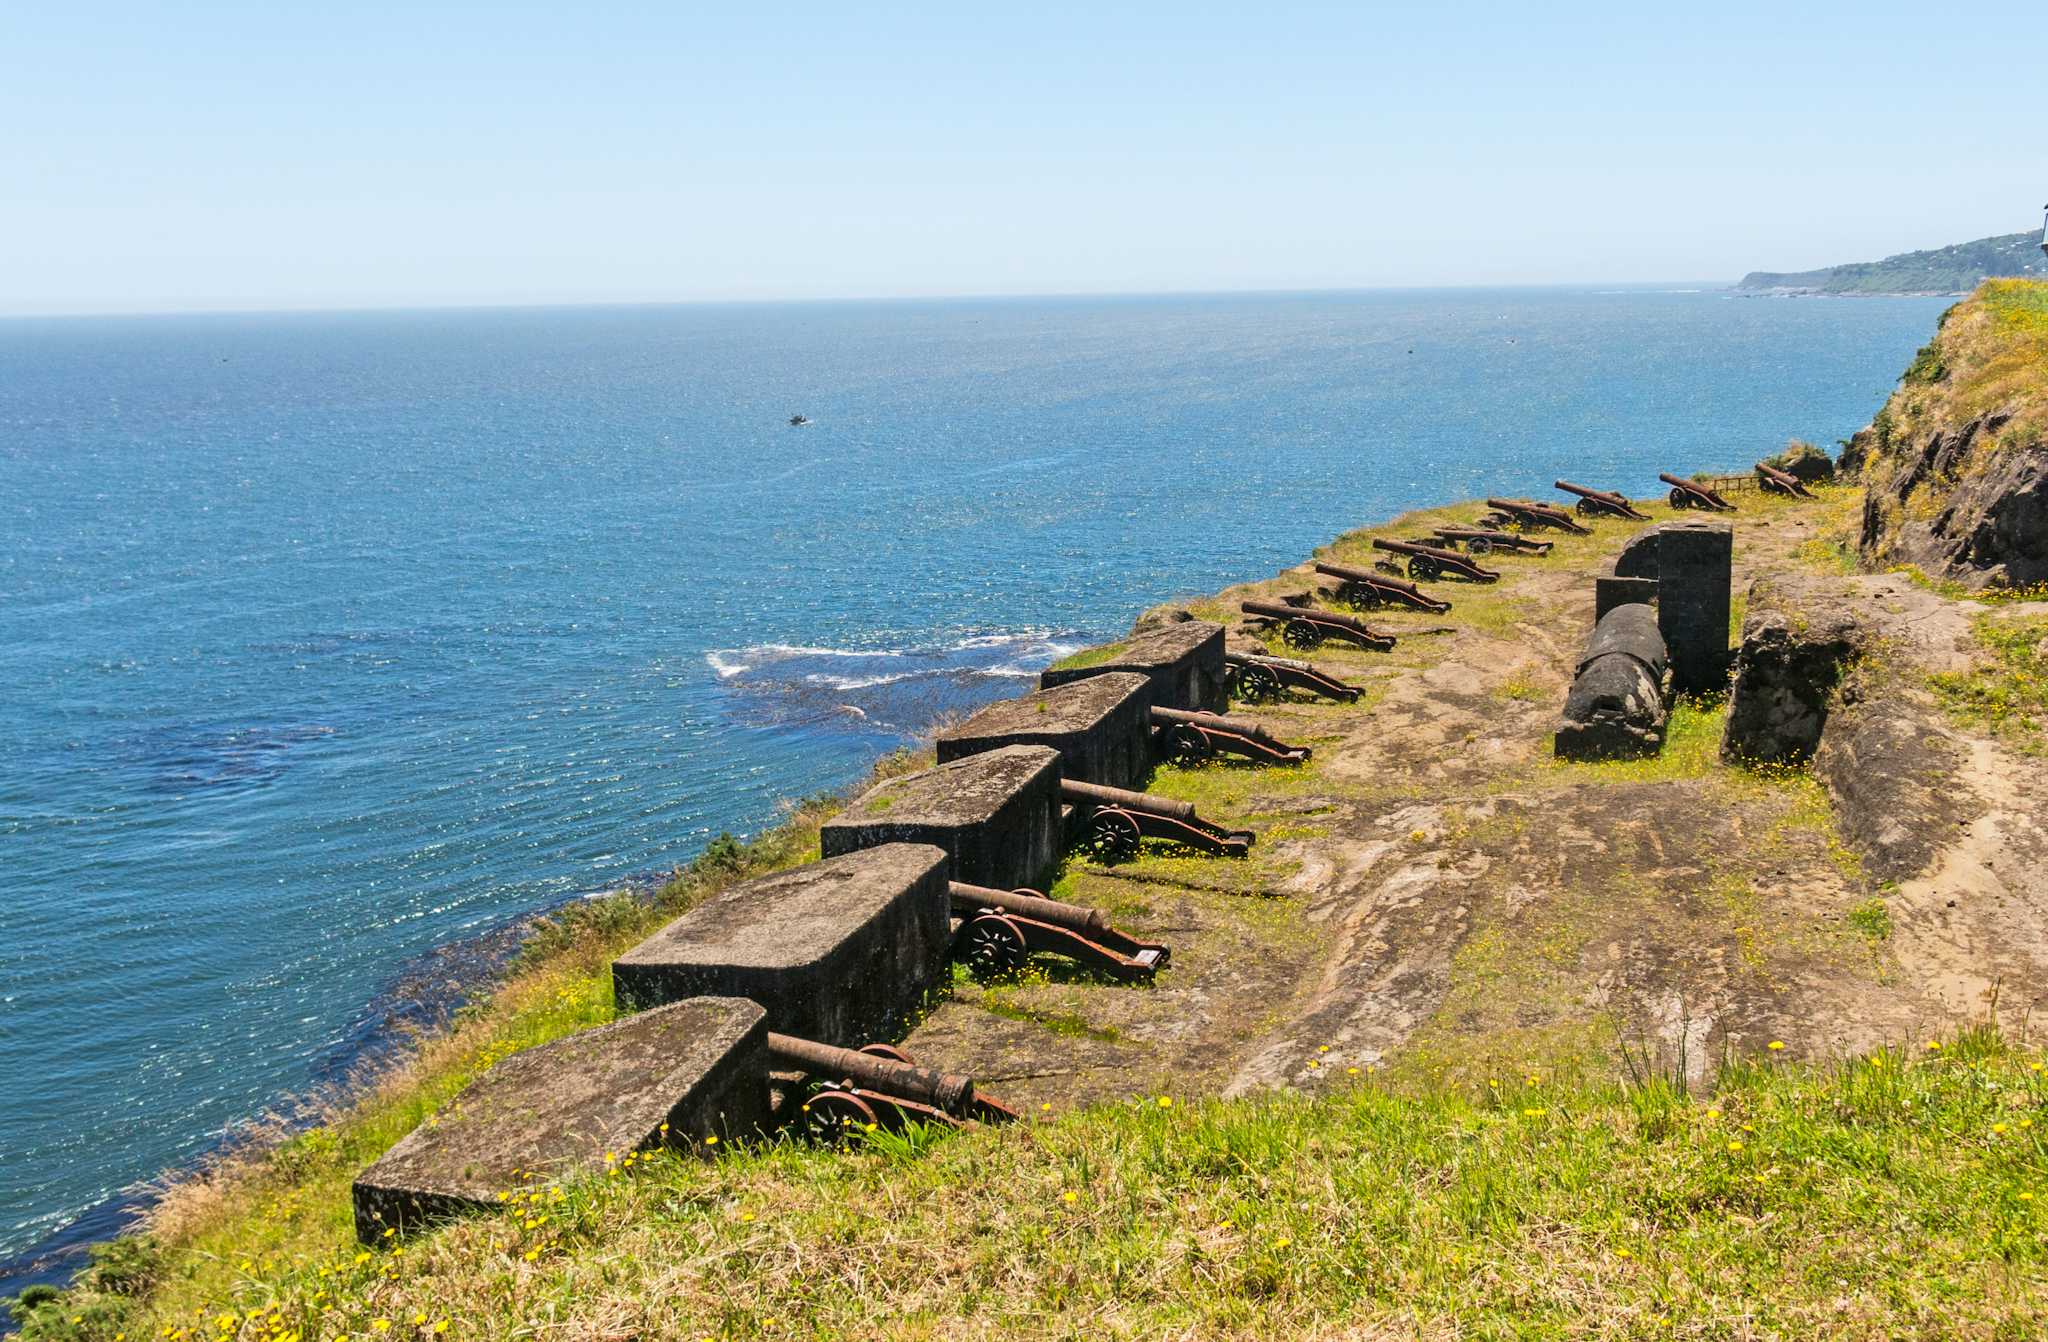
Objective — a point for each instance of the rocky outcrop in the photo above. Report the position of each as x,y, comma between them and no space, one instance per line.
1799,636
1963,506
1892,770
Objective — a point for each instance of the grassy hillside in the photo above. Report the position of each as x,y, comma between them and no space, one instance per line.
1944,270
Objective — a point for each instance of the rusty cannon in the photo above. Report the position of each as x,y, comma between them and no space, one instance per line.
1428,562
1306,629
1363,587
1532,516
1769,477
1598,502
1259,680
1485,540
1195,738
1692,494
1118,819
879,1086
997,930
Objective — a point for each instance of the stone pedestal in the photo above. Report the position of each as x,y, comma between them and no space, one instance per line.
840,951
1184,662
996,814
1099,725
663,1078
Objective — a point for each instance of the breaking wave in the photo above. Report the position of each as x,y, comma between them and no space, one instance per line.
895,691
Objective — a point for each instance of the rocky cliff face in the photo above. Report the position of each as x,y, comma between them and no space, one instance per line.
1956,463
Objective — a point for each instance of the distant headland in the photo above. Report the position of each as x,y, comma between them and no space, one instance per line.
1955,269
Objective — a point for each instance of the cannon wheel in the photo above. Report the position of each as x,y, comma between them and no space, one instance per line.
1422,568
1302,635
1680,499
1478,545
1112,837
832,1116
995,946
1257,684
1585,508
889,1051
1361,595
1187,746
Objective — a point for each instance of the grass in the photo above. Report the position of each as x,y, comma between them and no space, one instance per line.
2010,696
1896,1194
1086,657
1692,748
1873,918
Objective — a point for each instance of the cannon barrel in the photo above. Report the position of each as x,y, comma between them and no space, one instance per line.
1095,794
1274,611
972,898
1785,480
1242,726
1349,574
1528,506
942,1090
1691,486
1247,659
1411,548
1604,495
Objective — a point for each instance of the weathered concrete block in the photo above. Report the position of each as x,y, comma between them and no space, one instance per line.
997,815
1616,707
840,951
663,1078
1611,592
1099,724
1693,563
1695,570
1183,660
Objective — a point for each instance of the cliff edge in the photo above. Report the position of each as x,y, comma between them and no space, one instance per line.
1956,463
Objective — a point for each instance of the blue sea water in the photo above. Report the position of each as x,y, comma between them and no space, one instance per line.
327,640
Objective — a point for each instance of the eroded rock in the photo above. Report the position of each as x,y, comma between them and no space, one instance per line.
1798,637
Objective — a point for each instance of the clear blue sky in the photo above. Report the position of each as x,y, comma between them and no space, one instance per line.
176,156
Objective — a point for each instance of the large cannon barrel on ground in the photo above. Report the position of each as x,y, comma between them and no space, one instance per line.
1616,707
1095,794
973,898
941,1090
1242,726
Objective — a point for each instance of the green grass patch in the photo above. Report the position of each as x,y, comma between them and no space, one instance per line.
1087,657
1898,1194
1692,748
1873,918
2010,696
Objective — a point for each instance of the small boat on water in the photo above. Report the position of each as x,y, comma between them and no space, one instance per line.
799,421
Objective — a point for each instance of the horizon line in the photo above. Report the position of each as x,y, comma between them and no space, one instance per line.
547,305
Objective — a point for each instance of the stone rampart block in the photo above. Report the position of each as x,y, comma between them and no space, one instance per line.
996,814
663,1078
1183,660
841,951
1100,725
1611,592
1695,570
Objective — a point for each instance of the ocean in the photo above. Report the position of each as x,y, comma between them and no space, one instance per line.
331,641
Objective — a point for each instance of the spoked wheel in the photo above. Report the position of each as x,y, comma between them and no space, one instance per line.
1359,595
1302,636
1422,568
1257,685
1112,837
1479,545
833,1116
889,1051
1187,747
1585,508
1680,499
994,946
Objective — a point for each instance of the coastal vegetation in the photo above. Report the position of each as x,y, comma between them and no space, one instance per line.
1954,269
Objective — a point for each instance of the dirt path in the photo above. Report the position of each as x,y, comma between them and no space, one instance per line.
1433,893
